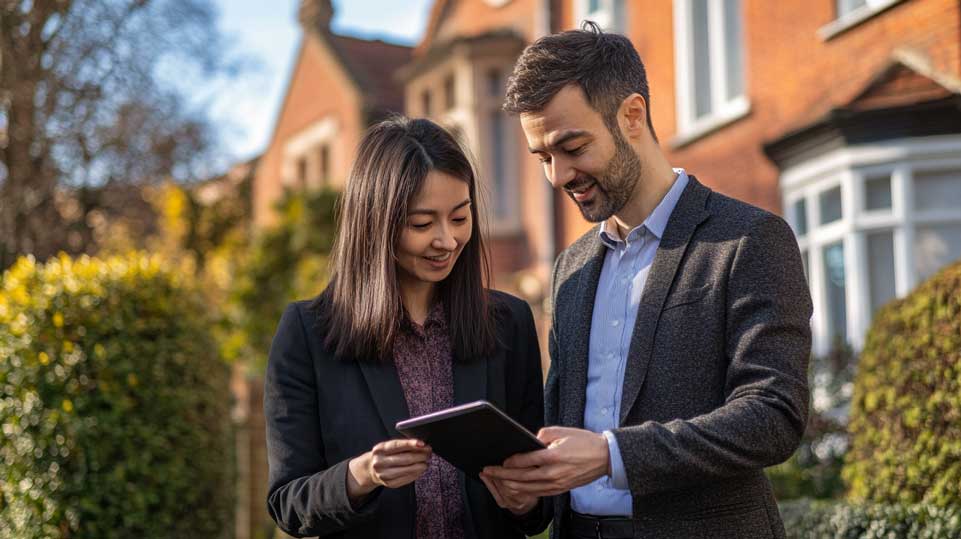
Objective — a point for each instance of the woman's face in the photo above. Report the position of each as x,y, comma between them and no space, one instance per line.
438,226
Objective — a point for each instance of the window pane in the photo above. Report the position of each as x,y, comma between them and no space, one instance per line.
733,45
494,83
800,217
847,6
830,202
702,58
877,193
937,190
935,246
425,102
834,286
592,6
449,95
498,170
881,268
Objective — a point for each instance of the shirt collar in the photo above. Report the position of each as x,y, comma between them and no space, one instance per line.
656,222
435,318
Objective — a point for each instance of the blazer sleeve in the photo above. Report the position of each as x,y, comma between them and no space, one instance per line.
768,342
307,496
525,398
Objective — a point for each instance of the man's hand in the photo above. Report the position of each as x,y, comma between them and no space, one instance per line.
573,457
513,501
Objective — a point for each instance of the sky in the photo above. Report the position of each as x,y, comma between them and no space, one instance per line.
266,36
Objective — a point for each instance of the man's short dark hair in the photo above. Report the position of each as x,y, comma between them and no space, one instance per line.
605,66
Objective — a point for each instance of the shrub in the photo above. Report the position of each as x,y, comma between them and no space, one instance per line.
114,404
806,519
906,413
814,470
288,261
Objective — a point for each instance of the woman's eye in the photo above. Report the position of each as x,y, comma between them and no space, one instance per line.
420,226
460,220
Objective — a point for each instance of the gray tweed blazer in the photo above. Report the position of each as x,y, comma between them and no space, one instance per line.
715,387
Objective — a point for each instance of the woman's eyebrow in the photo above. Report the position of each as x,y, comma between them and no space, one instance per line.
418,211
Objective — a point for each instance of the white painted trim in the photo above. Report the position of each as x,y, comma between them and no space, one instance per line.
850,167
301,145
723,110
854,18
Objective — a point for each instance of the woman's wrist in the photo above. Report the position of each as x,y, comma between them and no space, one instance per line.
359,482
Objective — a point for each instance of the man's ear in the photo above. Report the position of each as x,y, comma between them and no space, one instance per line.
633,115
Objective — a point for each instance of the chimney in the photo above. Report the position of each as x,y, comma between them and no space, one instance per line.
315,15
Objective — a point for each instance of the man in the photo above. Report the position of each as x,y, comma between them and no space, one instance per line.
680,331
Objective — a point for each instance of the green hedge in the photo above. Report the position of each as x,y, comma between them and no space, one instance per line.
905,421
806,519
114,404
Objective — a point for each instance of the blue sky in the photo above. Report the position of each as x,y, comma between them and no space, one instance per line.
267,34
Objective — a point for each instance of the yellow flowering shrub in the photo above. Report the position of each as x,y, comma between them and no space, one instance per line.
905,422
114,404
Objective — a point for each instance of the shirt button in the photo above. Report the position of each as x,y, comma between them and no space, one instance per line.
599,487
616,323
605,410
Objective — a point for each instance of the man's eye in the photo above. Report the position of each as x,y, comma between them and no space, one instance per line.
544,159
577,151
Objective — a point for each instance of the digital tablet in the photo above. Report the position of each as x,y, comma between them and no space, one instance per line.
471,436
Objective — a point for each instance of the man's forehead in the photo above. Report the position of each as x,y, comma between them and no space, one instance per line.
545,132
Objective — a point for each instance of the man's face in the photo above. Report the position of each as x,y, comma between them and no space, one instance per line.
598,169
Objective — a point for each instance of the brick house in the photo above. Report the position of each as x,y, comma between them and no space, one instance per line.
842,115
802,108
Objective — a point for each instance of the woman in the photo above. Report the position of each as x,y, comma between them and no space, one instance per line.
406,327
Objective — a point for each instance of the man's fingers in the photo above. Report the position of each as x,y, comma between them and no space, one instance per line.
528,460
549,434
492,487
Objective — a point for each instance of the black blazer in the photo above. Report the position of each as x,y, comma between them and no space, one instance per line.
322,411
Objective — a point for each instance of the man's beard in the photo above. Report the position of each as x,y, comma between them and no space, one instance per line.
615,186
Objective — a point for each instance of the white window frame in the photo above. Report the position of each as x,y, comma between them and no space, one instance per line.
844,21
724,110
605,16
304,145
850,167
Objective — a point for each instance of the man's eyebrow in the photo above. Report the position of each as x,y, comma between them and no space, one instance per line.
566,136
434,212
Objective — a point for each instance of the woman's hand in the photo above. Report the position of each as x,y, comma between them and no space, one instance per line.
391,464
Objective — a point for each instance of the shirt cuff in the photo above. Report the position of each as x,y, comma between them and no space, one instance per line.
618,474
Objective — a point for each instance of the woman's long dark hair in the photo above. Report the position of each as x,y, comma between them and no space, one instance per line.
362,305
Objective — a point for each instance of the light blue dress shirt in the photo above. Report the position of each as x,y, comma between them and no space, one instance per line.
626,265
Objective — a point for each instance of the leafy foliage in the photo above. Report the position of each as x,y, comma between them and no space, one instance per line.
806,519
114,404
287,261
906,414
814,471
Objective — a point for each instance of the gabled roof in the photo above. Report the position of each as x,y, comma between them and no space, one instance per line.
371,64
904,99
438,12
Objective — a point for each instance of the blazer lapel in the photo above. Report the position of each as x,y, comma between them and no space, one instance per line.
687,215
387,393
582,312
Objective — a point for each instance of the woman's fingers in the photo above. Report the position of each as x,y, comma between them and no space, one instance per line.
401,445
398,477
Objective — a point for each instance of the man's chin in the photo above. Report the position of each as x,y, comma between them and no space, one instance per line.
594,213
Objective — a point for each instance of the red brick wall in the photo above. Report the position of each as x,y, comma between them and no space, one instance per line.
793,77
319,88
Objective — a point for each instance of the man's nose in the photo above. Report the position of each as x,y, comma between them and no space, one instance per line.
560,173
